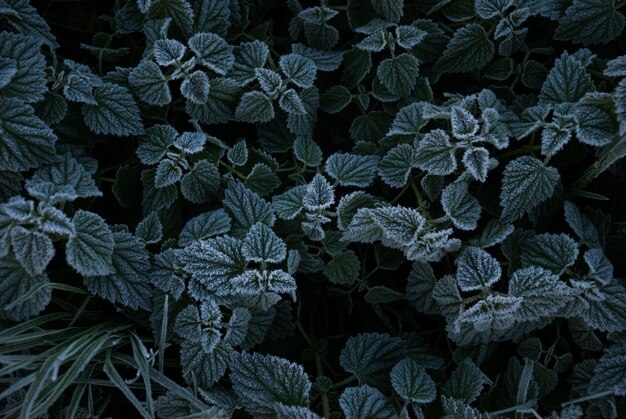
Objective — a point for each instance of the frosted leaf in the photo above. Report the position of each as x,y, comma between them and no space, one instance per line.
246,207
203,226
115,112
477,270
395,168
567,81
90,250
343,269
398,224
300,70
391,9
410,381
212,52
168,172
469,49
290,412
32,249
466,382
435,153
291,103
319,195
288,205
255,107
370,356
28,84
366,402
409,36
543,294
590,22
262,179
155,143
168,51
610,372
248,57
399,74
582,225
263,245
553,252
553,138
238,154
203,368
155,198
270,81
408,121
600,267
593,126
487,9
201,325
419,288
432,246
352,169
22,16
237,328
307,151
201,183
150,84
462,208
78,89
605,308
374,42
493,233
195,87
15,285
67,173
476,161
464,125
150,229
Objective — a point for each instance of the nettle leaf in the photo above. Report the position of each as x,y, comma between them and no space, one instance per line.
593,126
115,112
590,22
168,172
246,207
491,8
238,154
352,169
29,81
204,368
68,173
553,252
399,74
408,121
261,381
527,182
319,194
477,270
255,107
370,356
382,295
90,250
410,381
21,295
220,107
462,208
419,288
567,81
270,81
150,229
263,245
476,161
78,89
288,205
610,372
493,233
155,143
469,49
212,52
395,168
553,138
168,51
190,142
195,88
582,225
307,151
543,294
150,84
398,224
203,226
466,382
435,153
391,9
24,17
324,60
374,42
600,267
464,125
262,179
291,103
238,326
335,99
409,36
26,142
605,308
201,183
300,70
343,269
248,57
366,402
129,283
32,249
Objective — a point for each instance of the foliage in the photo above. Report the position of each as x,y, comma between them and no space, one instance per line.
313,208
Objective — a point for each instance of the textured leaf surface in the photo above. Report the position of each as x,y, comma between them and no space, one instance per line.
370,356
410,381
469,49
90,251
365,402
114,113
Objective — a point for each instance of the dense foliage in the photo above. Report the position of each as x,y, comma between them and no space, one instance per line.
313,208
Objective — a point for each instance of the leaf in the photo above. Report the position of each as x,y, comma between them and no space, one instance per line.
395,168
408,120
178,10
466,382
307,151
190,142
477,270
462,208
238,154
399,225
150,229
129,282
567,81
371,127
610,372
262,179
419,288
593,126
248,57
263,245
32,249
435,153
469,49
370,357
605,308
212,52
168,172
78,89
155,143
357,64
319,194
221,104
464,125
382,295
409,36
90,250
204,368
212,16
195,87
366,402
553,138
374,42
203,226
600,267
25,18
115,112
168,51
288,205
291,103
255,107
476,161
343,269
300,70
543,294
399,74
150,84
493,233
491,8
335,99
410,381
553,252
28,84
26,142
527,183
352,169
21,295
202,325
590,22
262,381
67,173
201,183
238,326
52,109
324,60
350,204
154,198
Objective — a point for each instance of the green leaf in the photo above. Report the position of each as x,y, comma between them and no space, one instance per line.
262,179
78,89
435,153
262,381
221,104
150,84
201,183
469,49
357,64
68,172
335,99
90,250
203,226
399,74
410,381
212,16
155,198
553,252
567,82
391,9
590,22
371,127
32,249
238,154
343,269
204,368
382,295
255,107
246,207
263,245
543,294
352,169
366,402
466,382
25,18
395,168
307,151
610,373
464,125
291,103
179,10
21,295
115,112
288,205
155,143
600,267
212,52
26,142
129,283
370,357
476,161
527,183
477,270
248,57
409,36
195,87
28,84
419,288
593,126
462,208
487,9
298,69
150,229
